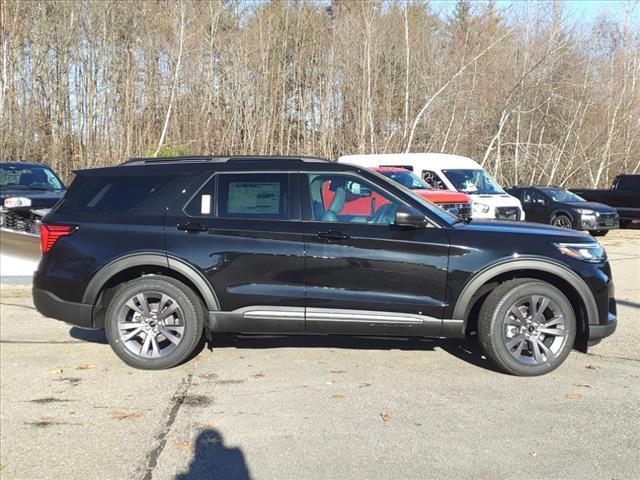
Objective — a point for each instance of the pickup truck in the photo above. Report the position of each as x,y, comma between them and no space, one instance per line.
624,195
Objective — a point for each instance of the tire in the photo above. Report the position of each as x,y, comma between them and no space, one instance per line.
598,233
510,338
154,322
562,221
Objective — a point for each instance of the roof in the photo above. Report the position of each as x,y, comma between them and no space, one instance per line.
435,160
219,159
23,164
389,169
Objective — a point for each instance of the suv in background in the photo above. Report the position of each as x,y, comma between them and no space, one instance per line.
455,202
564,209
160,252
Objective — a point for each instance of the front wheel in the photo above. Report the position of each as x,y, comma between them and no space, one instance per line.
526,327
561,221
154,323
599,233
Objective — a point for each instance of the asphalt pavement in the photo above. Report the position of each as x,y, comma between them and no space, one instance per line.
317,407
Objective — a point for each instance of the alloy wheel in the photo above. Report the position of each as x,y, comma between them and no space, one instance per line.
151,324
562,222
534,330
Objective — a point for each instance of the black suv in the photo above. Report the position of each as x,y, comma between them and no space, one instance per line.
160,252
565,209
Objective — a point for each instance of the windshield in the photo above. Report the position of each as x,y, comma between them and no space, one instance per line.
28,177
475,181
407,179
562,195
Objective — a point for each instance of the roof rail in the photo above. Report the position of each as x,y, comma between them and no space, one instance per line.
218,159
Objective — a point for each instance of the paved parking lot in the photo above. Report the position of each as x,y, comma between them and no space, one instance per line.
317,407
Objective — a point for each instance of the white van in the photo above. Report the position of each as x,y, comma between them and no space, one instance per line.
451,172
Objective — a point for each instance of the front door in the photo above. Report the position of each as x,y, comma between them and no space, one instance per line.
364,275
243,232
536,206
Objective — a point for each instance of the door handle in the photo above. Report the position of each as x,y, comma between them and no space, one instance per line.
192,227
331,235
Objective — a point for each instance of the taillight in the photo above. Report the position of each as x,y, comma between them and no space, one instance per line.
49,235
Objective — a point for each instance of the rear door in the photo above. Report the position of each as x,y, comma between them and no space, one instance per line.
243,232
363,275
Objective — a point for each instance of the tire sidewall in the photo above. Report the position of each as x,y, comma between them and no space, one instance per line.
192,324
497,327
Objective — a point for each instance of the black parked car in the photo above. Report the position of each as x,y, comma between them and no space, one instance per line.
26,188
162,251
564,209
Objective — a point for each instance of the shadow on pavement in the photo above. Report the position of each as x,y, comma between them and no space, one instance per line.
627,303
91,336
467,350
212,460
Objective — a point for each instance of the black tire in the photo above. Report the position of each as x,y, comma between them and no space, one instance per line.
562,221
598,233
188,304
492,326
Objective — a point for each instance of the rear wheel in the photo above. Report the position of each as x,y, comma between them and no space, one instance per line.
562,221
526,327
599,233
154,322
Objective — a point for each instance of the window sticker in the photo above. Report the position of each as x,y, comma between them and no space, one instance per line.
254,198
205,204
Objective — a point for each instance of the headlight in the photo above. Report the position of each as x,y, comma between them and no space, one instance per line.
589,252
13,202
480,207
585,211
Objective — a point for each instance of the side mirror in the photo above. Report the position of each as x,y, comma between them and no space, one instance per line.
409,217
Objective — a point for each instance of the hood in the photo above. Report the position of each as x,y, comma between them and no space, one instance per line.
442,196
39,198
498,200
595,206
526,228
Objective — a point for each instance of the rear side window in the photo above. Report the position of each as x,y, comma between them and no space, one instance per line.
253,195
109,195
629,182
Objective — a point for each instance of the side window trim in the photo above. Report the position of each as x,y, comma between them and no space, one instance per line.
214,207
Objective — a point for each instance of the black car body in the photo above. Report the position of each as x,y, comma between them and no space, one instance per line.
26,189
564,209
624,195
250,244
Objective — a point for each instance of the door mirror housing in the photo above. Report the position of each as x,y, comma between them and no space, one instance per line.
409,217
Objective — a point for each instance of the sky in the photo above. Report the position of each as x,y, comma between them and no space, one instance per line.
580,10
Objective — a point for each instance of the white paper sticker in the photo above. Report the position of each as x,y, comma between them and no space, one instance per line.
205,204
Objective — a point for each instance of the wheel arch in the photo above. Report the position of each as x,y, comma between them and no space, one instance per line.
561,211
139,264
576,290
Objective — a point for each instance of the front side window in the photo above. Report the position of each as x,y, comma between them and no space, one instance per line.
253,195
347,198
473,181
533,197
433,180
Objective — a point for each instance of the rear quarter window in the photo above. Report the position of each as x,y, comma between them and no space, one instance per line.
110,195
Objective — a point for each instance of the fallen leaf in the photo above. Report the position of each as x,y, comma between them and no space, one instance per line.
118,415
184,446
385,416
593,366
330,383
533,454
337,371
207,425
57,371
84,366
2,466
585,385
259,375
337,396
573,396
